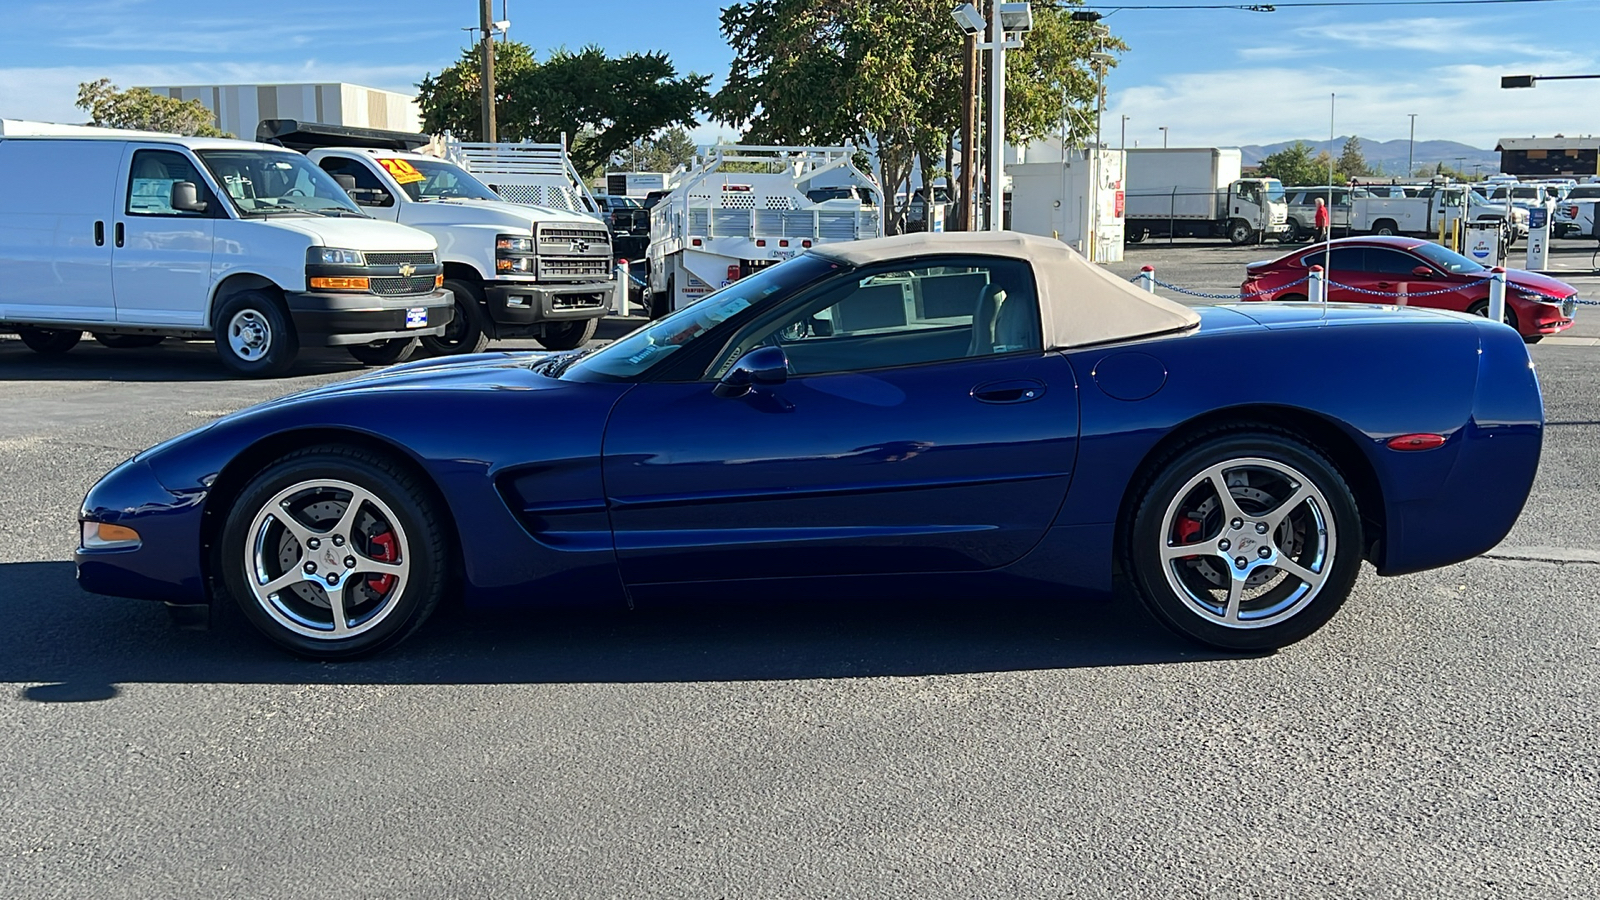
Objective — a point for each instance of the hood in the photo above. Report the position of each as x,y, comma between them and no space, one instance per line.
478,371
356,234
1542,284
494,212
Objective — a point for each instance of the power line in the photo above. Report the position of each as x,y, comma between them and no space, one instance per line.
1273,7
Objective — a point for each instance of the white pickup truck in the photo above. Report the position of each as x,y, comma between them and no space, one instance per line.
136,237
1575,213
1373,212
516,270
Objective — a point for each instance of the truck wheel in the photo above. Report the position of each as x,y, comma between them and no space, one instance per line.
49,340
1240,232
661,304
254,337
1291,233
1385,228
1137,234
465,333
128,341
568,336
384,353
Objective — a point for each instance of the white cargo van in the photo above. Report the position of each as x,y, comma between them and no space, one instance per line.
136,237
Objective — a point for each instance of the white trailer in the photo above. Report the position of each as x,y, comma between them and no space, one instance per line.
1073,201
722,222
1199,192
530,174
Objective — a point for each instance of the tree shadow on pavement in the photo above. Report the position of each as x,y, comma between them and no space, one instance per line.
69,645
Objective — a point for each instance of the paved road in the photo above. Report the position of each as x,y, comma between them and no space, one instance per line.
1438,739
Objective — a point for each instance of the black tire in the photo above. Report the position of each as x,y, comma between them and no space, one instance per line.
569,336
1532,338
397,519
1481,308
1240,232
1290,298
1180,591
254,335
384,353
1136,235
466,332
1385,228
1293,234
661,304
128,341
49,341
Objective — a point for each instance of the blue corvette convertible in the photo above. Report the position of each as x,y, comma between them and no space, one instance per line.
937,415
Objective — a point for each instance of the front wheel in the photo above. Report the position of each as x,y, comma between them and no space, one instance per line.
254,337
1240,232
1248,540
466,332
50,341
384,353
333,552
568,336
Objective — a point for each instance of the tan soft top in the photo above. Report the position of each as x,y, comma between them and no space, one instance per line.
1079,302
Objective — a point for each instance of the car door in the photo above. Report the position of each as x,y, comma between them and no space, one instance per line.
922,429
1343,268
161,261
55,229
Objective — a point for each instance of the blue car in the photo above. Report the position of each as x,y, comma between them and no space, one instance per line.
932,415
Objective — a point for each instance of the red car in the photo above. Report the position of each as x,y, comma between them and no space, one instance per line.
1535,305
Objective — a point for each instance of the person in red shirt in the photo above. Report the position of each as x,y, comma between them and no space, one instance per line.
1321,221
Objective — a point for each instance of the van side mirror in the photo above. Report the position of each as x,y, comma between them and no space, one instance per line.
347,183
186,197
763,365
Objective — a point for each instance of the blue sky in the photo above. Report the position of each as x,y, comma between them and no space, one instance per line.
1212,77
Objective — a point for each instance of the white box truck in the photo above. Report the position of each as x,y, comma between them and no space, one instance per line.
136,237
723,221
1199,192
516,270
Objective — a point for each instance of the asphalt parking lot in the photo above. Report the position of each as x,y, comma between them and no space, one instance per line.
1437,739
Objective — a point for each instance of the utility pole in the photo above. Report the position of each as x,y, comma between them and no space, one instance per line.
486,48
1411,149
997,119
1163,130
1123,144
969,136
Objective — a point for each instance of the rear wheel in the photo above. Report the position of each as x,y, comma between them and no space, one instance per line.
128,341
384,353
1481,308
334,552
568,336
1385,228
661,304
49,340
1136,235
466,332
254,336
1248,540
1291,298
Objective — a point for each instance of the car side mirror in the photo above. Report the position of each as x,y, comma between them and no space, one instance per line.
1422,272
347,183
186,197
763,365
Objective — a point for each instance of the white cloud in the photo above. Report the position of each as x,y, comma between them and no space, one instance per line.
1271,53
1429,35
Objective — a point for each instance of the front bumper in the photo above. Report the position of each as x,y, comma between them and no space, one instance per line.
166,563
337,320
528,303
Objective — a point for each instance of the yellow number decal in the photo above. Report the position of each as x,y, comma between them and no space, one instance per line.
403,172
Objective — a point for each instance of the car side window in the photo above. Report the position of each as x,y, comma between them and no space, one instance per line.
150,181
880,318
1390,262
369,191
1344,259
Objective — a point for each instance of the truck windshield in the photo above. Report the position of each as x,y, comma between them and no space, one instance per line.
1447,260
630,357
266,182
1274,189
436,180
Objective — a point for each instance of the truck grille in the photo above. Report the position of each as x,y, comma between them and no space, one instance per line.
399,259
575,268
394,286
575,241
578,301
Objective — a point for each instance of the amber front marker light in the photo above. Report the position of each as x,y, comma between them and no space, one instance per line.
340,283
438,280
100,536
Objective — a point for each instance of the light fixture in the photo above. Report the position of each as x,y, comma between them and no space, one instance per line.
1016,18
968,17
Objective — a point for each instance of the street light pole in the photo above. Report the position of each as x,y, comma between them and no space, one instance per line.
486,48
997,120
1411,149
1163,130
969,134
1123,144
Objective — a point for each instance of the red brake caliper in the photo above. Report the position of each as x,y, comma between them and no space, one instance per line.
1188,531
383,551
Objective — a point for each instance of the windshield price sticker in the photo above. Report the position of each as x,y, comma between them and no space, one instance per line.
403,172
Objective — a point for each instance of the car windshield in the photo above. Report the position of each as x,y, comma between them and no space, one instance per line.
626,203
267,182
1447,260
1585,192
436,180
630,357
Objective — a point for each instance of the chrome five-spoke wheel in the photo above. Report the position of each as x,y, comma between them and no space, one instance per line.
1246,541
334,552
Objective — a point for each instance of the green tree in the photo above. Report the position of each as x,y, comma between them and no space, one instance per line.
1294,165
887,74
1351,164
602,104
139,109
666,151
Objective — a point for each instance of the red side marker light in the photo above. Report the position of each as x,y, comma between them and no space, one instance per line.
1416,442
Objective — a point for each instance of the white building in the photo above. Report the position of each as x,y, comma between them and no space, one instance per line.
238,108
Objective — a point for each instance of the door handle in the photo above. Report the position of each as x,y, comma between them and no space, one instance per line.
99,234
119,234
1383,284
1022,390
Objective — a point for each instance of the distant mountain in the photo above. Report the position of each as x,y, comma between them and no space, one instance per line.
1389,157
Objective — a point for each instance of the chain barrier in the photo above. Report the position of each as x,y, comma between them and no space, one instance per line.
1209,296
1409,295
